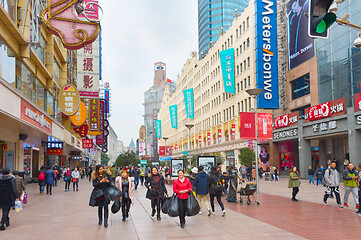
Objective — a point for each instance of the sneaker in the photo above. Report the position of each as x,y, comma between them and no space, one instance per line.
223,213
340,206
325,203
213,213
209,212
2,227
357,213
345,204
200,213
357,206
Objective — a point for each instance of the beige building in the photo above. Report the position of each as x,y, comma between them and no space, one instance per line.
216,113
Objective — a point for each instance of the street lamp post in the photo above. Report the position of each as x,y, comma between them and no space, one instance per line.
255,92
165,142
189,126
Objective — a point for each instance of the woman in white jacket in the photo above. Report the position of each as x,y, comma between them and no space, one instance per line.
126,185
75,178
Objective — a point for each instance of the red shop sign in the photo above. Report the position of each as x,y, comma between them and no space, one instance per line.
328,109
35,117
233,132
87,143
286,120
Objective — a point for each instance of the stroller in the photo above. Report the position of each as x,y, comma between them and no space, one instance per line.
247,189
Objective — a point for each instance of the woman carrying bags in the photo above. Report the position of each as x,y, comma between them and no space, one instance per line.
75,178
156,190
182,186
126,185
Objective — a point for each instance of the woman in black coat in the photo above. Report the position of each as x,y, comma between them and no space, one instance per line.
215,189
156,190
101,181
8,195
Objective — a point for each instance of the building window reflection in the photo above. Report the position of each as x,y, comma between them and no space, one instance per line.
7,63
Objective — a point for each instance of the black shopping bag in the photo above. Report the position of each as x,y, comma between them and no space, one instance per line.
173,209
192,207
112,193
116,206
165,205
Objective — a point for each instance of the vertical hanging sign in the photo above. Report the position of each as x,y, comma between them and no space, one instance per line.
100,138
189,102
233,132
94,117
173,116
227,63
158,128
264,126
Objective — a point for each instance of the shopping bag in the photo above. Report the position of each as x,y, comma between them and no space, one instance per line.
116,206
112,193
18,207
165,205
192,207
25,197
173,209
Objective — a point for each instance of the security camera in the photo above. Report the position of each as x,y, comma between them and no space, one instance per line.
357,42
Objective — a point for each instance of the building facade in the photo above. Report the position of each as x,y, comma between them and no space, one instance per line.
112,145
215,16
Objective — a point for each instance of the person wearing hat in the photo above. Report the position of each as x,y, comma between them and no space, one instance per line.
194,172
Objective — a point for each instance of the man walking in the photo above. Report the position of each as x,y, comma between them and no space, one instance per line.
49,179
332,178
310,174
135,172
349,180
201,184
114,174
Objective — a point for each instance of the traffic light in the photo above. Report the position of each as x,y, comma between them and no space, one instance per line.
320,19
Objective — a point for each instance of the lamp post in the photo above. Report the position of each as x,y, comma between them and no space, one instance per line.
255,92
189,126
165,142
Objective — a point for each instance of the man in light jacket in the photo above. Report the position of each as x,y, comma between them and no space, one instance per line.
332,178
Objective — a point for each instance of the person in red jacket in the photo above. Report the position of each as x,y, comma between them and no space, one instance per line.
182,186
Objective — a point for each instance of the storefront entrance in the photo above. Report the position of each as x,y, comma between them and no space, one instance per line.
35,164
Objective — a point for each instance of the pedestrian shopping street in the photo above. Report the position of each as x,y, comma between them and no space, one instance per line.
66,215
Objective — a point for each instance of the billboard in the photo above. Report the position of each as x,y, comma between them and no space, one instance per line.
266,53
173,116
264,125
189,102
227,63
141,148
300,44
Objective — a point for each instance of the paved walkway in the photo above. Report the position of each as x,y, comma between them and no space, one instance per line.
66,215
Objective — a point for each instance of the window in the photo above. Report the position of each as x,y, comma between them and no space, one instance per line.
300,87
248,62
25,81
245,104
241,67
245,83
247,22
242,85
240,49
248,42
244,46
56,74
39,94
7,63
237,70
237,87
249,80
244,26
242,106
244,64
40,49
249,102
49,103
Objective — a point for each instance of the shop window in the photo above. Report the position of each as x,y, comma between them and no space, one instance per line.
300,87
9,6
25,81
301,111
27,159
40,94
7,63
227,136
56,74
49,103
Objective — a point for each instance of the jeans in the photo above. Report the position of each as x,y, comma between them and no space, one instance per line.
55,182
67,184
318,182
5,216
276,177
48,188
311,179
182,210
354,194
295,190
75,184
136,182
142,180
155,202
219,200
200,198
329,191
41,188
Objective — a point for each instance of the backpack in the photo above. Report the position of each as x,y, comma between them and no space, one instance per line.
218,187
324,180
41,176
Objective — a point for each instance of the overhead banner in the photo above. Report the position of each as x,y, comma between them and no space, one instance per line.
106,97
158,128
233,132
94,117
266,53
173,116
88,70
100,139
189,102
247,130
264,126
227,63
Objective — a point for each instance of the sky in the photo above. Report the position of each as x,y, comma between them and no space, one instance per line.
135,35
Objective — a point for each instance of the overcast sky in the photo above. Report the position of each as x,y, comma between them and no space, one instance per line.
136,34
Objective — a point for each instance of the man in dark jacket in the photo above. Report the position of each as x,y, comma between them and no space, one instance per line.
8,195
225,182
311,172
136,174
49,179
201,183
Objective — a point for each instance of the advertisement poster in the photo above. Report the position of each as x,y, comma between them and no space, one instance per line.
69,100
141,148
286,155
264,156
158,128
227,63
264,125
300,44
173,116
176,165
207,162
247,125
189,102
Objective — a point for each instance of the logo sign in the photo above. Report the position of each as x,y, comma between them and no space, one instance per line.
54,148
247,125
87,143
100,139
357,98
285,134
173,116
106,97
35,117
264,125
233,132
79,117
94,117
286,120
61,19
358,120
161,151
88,70
69,100
328,109
189,102
219,135
266,53
158,128
227,63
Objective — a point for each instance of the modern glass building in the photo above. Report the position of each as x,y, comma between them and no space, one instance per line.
339,61
213,17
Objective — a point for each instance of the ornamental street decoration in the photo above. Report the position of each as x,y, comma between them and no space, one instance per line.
69,100
79,117
94,117
75,22
82,130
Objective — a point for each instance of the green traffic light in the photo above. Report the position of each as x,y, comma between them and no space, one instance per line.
321,27
326,22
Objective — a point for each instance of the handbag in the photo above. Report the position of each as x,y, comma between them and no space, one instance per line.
192,206
25,198
75,180
173,209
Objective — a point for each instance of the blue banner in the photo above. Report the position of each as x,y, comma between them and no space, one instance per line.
158,128
227,63
173,116
106,97
189,102
266,53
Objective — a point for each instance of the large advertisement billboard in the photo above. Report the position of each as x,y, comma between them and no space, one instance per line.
300,44
266,53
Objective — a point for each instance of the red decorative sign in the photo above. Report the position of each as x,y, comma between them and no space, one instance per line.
247,125
87,143
82,130
219,135
100,139
94,117
54,151
264,126
200,140
286,120
233,132
357,98
35,117
176,146
162,151
328,109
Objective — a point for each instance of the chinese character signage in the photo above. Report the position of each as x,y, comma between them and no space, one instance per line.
331,125
34,117
54,148
94,117
106,97
100,139
227,63
88,70
79,117
328,109
158,128
189,102
286,120
87,143
69,100
173,116
266,53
